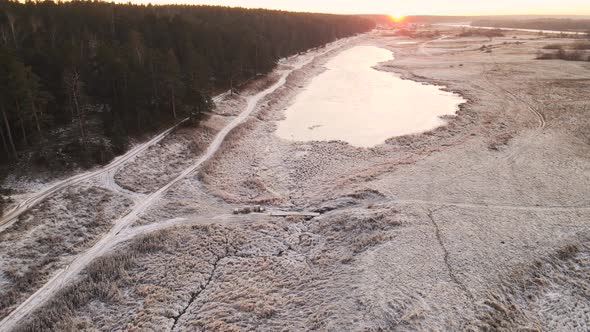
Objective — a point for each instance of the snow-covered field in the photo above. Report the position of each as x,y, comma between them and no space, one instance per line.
478,225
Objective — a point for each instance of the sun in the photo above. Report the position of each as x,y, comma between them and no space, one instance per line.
396,18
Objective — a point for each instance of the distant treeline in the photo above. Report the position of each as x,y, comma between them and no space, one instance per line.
537,24
432,19
578,51
77,79
489,33
379,19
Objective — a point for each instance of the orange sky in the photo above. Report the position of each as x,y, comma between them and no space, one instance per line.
409,7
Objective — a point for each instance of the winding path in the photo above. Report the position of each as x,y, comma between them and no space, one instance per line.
540,118
11,216
107,171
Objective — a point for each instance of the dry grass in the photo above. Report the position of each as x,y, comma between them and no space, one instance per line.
164,161
239,277
363,243
44,239
230,143
108,279
102,280
23,282
499,141
523,303
359,230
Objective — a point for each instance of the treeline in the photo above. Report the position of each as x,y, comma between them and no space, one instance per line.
578,51
489,33
77,79
433,19
537,24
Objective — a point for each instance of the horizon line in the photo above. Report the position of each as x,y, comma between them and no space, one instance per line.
147,3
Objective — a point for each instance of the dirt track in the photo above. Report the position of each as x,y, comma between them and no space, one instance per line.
65,275
480,224
21,207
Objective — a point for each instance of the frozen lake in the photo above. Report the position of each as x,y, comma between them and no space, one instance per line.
353,102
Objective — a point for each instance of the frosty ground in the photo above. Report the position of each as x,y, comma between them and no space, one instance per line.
481,224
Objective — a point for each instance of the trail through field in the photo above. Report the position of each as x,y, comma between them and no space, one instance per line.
107,172
11,216
537,208
64,277
533,110
422,47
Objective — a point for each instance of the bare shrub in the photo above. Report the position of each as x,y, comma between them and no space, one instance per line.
545,56
581,46
568,252
500,141
347,259
553,47
562,54
572,56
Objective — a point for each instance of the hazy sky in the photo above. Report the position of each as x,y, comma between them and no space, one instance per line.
408,7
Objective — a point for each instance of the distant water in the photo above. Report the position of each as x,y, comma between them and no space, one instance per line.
463,25
353,102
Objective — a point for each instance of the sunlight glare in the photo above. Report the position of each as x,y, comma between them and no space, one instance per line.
396,18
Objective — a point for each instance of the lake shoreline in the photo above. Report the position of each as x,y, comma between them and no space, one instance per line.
355,102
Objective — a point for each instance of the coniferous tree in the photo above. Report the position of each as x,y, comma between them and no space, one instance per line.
89,74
